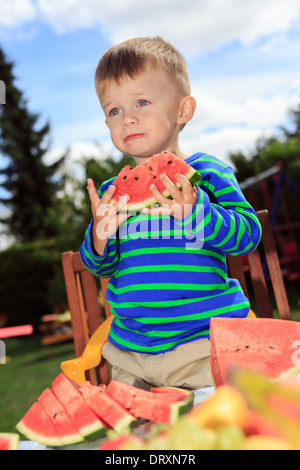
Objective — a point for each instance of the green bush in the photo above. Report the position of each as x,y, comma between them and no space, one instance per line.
32,281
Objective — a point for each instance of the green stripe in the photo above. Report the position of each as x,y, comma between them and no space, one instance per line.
165,286
171,267
193,316
165,249
220,174
163,334
230,233
170,303
227,190
156,348
212,160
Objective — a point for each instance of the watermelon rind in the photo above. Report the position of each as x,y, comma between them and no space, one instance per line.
12,439
106,408
37,426
163,407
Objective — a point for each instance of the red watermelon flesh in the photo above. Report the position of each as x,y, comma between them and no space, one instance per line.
136,181
62,424
9,441
108,409
83,417
159,407
37,426
259,344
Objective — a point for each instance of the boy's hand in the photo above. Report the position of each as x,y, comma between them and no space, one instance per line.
183,200
106,218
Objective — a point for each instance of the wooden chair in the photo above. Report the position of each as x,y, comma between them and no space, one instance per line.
86,314
258,278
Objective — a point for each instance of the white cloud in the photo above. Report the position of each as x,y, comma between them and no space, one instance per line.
16,12
194,26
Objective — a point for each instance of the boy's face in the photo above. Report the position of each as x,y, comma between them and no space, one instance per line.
142,114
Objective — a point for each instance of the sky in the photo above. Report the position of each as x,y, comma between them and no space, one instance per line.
243,59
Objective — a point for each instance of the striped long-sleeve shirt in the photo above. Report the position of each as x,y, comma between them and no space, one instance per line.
169,276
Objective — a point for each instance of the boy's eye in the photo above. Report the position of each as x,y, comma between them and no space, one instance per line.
143,102
114,111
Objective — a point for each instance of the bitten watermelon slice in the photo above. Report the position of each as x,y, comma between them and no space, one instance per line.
135,181
106,408
9,441
161,407
259,344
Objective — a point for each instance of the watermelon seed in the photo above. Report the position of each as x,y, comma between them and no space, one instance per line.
247,347
124,177
169,162
154,177
54,416
136,178
237,349
271,347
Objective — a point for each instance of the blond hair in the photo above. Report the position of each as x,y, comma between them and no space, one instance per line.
131,57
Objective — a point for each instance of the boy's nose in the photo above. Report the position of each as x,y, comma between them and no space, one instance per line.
129,118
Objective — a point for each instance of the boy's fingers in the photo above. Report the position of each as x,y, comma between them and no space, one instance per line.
93,193
171,187
108,194
185,184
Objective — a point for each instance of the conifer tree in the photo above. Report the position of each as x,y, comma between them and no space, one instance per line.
29,183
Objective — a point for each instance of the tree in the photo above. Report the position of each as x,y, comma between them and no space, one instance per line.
283,150
29,183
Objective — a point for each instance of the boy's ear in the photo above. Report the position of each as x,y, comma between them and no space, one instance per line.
186,109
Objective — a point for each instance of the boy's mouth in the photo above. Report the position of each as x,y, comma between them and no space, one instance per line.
133,136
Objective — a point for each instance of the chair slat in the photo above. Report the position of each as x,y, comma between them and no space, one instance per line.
274,266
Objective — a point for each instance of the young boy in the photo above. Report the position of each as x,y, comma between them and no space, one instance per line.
163,290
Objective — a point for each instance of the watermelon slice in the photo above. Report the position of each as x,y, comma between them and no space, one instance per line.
62,424
9,441
106,408
37,426
86,421
259,344
135,181
161,407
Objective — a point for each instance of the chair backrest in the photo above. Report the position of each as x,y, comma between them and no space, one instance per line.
267,252
87,315
86,312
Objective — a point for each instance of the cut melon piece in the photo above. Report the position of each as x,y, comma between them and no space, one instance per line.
37,426
62,424
9,441
161,407
136,181
86,421
106,408
259,344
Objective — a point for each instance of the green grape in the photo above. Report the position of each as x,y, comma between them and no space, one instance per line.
187,435
229,438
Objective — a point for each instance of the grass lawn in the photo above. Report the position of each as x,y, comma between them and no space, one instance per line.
29,369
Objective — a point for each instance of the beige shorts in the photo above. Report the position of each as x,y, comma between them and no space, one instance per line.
186,366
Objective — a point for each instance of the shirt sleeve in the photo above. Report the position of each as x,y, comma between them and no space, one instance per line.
222,217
